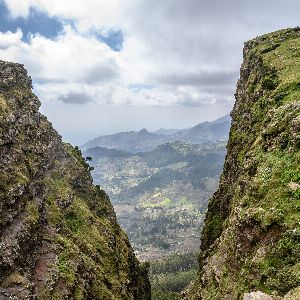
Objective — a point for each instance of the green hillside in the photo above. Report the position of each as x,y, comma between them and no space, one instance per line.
251,237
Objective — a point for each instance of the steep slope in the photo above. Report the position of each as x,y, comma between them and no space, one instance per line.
59,238
251,238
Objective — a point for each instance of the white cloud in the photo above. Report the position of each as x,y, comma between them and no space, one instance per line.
64,65
70,57
184,53
10,39
74,68
88,13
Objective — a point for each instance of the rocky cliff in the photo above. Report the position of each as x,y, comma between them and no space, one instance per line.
250,245
59,238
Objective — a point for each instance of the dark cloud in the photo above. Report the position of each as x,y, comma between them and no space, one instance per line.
206,34
101,73
212,32
76,98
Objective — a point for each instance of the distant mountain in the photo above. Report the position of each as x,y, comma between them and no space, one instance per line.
163,131
99,152
131,141
206,131
143,140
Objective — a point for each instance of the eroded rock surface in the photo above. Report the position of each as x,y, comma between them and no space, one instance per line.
59,238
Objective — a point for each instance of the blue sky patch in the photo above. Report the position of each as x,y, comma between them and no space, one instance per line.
35,22
140,86
38,22
114,39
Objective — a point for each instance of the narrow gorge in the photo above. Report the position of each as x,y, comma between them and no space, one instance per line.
59,235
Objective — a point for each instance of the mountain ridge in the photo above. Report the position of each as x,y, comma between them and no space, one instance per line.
143,140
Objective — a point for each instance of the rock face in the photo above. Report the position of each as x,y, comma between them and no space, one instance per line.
251,238
59,238
257,296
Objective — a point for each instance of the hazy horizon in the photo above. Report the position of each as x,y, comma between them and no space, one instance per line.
101,67
76,132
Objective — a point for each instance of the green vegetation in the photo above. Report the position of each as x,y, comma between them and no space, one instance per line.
65,268
160,196
171,275
3,105
250,239
168,203
59,231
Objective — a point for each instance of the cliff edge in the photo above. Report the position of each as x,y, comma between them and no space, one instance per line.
59,238
250,245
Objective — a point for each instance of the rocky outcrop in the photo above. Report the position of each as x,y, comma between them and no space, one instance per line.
257,296
59,238
251,238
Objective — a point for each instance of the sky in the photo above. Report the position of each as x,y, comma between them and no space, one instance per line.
105,66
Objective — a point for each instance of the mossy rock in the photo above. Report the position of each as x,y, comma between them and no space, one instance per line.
250,237
59,234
